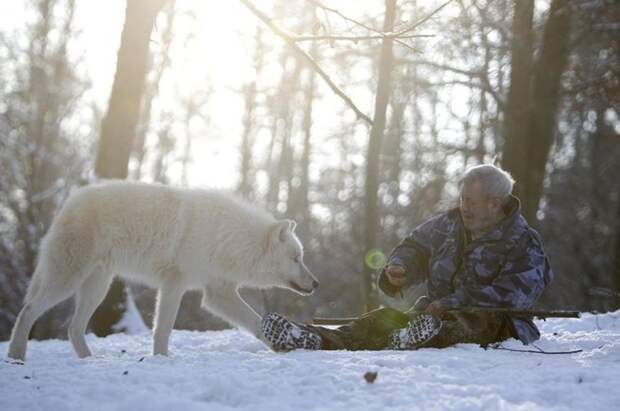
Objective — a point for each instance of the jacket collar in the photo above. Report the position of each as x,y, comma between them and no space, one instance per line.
510,227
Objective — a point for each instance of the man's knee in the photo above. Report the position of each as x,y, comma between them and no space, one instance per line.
478,328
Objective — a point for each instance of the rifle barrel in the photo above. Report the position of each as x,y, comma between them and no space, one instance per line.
509,311
521,313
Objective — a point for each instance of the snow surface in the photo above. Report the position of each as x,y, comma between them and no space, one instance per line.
230,370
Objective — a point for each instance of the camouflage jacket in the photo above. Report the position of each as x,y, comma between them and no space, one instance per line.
506,268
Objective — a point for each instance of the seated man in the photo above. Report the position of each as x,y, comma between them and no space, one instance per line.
481,254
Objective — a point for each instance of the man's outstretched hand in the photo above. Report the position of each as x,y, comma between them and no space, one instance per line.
396,275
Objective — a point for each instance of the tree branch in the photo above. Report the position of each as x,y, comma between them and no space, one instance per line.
290,41
359,38
424,20
484,84
360,24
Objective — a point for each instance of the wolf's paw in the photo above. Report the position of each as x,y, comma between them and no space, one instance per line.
285,335
416,334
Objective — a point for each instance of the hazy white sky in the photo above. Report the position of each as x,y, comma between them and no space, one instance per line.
214,51
217,56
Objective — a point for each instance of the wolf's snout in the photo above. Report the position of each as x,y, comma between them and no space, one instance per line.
315,284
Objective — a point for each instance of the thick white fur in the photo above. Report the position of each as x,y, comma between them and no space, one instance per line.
169,238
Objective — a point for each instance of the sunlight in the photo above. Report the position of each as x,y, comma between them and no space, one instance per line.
212,54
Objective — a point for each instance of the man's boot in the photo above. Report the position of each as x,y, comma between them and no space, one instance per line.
419,331
285,335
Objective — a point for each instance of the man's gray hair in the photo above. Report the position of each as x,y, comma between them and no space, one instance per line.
495,181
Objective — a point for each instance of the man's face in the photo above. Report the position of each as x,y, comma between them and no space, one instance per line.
478,211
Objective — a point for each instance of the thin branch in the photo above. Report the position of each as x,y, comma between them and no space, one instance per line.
424,20
358,23
440,66
484,84
291,42
481,86
358,38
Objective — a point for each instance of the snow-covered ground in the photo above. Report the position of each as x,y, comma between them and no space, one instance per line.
230,370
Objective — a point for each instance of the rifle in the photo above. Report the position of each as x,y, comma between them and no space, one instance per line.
542,314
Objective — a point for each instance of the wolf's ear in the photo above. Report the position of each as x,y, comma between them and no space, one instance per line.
283,228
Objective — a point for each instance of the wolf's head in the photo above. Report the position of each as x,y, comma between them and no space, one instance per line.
286,255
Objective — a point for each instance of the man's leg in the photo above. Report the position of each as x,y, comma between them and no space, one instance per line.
479,328
369,332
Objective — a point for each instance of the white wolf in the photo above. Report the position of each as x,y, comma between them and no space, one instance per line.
169,238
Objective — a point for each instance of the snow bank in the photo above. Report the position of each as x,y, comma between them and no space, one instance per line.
230,370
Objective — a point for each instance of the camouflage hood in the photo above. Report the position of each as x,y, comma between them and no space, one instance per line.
506,267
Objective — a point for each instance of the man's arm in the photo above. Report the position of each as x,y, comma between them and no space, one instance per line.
410,258
518,285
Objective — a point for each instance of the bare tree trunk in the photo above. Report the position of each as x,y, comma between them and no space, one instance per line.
530,122
374,149
38,92
546,100
299,206
405,87
192,106
483,109
616,278
304,187
150,92
518,104
246,140
119,125
165,146
250,91
617,256
279,166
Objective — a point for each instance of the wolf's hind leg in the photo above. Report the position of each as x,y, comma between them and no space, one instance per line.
46,294
90,294
168,301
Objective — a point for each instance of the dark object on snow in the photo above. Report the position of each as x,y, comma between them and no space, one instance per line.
538,350
370,377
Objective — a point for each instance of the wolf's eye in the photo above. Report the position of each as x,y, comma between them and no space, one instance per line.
297,259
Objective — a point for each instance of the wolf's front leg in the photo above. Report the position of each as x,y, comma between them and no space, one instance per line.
168,301
224,300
